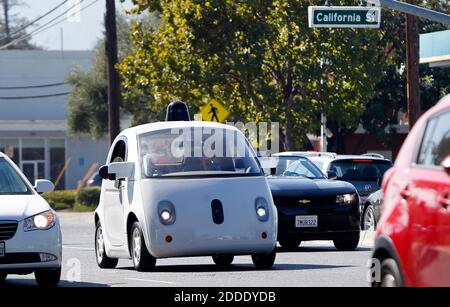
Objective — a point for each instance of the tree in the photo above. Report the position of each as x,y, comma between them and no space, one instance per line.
88,100
389,99
259,58
11,26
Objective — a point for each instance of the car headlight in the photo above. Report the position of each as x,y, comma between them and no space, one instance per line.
347,199
166,212
262,209
41,221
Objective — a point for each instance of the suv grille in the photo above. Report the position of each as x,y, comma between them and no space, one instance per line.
7,229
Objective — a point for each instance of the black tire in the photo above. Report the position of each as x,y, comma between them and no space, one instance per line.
223,260
142,260
390,274
103,261
290,244
348,244
264,261
369,219
48,278
3,277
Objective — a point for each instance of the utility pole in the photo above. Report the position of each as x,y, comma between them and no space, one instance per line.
113,75
412,68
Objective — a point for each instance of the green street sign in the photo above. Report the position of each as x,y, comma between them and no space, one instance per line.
344,17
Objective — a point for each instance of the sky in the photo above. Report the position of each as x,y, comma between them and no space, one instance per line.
80,31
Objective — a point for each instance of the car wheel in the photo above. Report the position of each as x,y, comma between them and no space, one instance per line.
369,222
290,244
390,274
48,278
142,260
347,244
103,261
264,261
223,260
3,277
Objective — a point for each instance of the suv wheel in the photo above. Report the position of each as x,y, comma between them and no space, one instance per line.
264,261
390,275
290,244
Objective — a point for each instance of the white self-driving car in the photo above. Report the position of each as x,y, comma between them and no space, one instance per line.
179,189
30,235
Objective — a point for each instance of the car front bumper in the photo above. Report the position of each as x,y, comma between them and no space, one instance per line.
333,222
24,250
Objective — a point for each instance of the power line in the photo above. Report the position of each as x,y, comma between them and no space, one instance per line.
34,97
39,18
44,26
31,86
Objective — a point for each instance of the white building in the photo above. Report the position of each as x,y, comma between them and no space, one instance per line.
33,111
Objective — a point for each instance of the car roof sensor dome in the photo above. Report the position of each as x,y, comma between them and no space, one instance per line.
177,111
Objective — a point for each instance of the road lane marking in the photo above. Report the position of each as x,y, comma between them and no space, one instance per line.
155,281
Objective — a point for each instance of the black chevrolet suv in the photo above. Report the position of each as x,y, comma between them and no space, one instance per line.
311,207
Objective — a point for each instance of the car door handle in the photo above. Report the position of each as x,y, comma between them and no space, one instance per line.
405,193
444,201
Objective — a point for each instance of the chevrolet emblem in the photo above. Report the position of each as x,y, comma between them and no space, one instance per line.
304,201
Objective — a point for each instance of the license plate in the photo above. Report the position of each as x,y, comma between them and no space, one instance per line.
306,221
2,249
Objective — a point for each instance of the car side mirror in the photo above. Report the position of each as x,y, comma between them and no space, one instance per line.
446,164
121,170
103,172
331,175
43,186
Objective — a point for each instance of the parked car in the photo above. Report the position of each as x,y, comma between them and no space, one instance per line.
363,171
413,234
311,207
165,195
30,235
371,211
94,181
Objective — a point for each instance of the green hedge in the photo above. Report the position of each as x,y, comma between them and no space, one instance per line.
88,197
60,200
85,200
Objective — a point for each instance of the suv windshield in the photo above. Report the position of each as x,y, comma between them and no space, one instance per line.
359,169
10,182
196,152
297,167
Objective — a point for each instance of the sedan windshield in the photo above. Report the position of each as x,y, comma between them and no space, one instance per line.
10,182
196,152
297,167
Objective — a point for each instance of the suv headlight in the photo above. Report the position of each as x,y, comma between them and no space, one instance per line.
347,199
41,221
262,209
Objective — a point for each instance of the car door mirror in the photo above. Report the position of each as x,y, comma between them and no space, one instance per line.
103,172
121,170
331,175
43,186
446,164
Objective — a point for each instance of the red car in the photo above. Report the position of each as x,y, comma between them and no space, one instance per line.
413,235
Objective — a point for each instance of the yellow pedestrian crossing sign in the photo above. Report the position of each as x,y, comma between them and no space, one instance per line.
213,111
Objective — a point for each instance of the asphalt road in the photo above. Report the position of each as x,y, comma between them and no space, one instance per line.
312,264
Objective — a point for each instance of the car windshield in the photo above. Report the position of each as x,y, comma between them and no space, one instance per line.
10,181
297,167
196,152
359,169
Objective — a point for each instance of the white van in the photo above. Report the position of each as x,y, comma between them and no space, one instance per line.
178,189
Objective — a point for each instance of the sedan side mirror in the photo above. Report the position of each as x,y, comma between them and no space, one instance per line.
446,164
331,175
43,186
